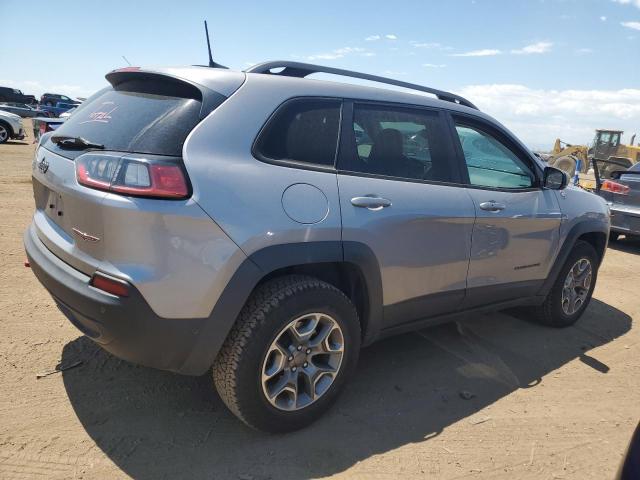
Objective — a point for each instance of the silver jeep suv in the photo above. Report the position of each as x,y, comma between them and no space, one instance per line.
267,226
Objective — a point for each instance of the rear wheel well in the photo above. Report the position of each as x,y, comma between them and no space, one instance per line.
597,240
346,277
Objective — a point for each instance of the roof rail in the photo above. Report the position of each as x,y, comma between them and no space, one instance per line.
301,70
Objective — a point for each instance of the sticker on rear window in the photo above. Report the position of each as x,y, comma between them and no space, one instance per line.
103,115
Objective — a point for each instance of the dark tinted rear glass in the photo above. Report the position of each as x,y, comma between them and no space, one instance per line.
303,130
133,121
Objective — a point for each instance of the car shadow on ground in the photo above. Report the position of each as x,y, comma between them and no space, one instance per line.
627,245
154,424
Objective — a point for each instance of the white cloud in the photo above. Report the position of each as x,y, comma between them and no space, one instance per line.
390,36
584,51
372,38
632,25
487,52
434,65
603,18
538,117
540,47
628,2
338,53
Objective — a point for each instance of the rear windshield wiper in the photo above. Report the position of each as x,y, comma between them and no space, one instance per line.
74,143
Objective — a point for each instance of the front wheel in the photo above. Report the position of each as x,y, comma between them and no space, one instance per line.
4,133
288,356
572,290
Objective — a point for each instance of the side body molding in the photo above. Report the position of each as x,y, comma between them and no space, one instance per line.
267,260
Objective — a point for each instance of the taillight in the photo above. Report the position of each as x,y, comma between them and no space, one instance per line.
614,187
132,176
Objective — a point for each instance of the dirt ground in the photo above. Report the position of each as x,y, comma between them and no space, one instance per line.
549,404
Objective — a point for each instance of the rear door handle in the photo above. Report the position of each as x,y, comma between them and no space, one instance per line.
370,202
492,206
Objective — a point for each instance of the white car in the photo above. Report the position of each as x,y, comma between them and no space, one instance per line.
10,127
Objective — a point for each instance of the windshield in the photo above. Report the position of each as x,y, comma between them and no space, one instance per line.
132,121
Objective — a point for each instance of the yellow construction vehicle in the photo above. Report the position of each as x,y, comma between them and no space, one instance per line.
606,146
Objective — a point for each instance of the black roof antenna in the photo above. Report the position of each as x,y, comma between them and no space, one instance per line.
212,64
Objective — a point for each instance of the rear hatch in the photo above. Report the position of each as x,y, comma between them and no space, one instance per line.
140,121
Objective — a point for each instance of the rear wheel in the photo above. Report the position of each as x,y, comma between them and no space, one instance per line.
289,354
572,290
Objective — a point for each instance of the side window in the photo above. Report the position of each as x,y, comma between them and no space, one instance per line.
399,142
490,163
303,130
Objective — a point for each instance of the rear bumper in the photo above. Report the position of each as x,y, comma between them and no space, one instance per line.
125,327
625,221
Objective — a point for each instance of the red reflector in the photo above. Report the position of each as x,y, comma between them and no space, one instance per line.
615,187
109,285
27,264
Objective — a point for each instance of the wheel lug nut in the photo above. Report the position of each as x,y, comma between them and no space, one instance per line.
294,369
308,351
299,347
305,364
290,358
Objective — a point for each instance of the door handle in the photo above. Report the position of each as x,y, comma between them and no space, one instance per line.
492,206
370,202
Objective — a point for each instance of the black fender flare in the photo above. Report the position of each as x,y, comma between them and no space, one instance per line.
265,261
579,229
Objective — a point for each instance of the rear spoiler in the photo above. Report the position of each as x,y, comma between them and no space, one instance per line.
137,80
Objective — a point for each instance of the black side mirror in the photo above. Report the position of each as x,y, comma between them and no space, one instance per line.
554,179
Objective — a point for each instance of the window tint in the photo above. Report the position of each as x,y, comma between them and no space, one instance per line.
490,163
303,131
131,120
399,142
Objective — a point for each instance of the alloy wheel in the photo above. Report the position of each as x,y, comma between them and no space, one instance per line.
576,286
302,362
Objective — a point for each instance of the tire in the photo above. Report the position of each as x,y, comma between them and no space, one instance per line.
552,312
5,132
239,370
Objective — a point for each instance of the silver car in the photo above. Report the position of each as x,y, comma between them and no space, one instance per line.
268,226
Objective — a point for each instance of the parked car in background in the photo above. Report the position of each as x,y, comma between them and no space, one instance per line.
58,109
622,193
24,110
51,99
8,94
11,127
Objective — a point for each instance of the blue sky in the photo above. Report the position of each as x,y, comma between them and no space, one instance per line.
545,68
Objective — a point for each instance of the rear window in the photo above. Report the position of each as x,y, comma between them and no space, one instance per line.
303,130
133,118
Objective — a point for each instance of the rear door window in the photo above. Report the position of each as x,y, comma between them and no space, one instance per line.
400,142
302,131
135,117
